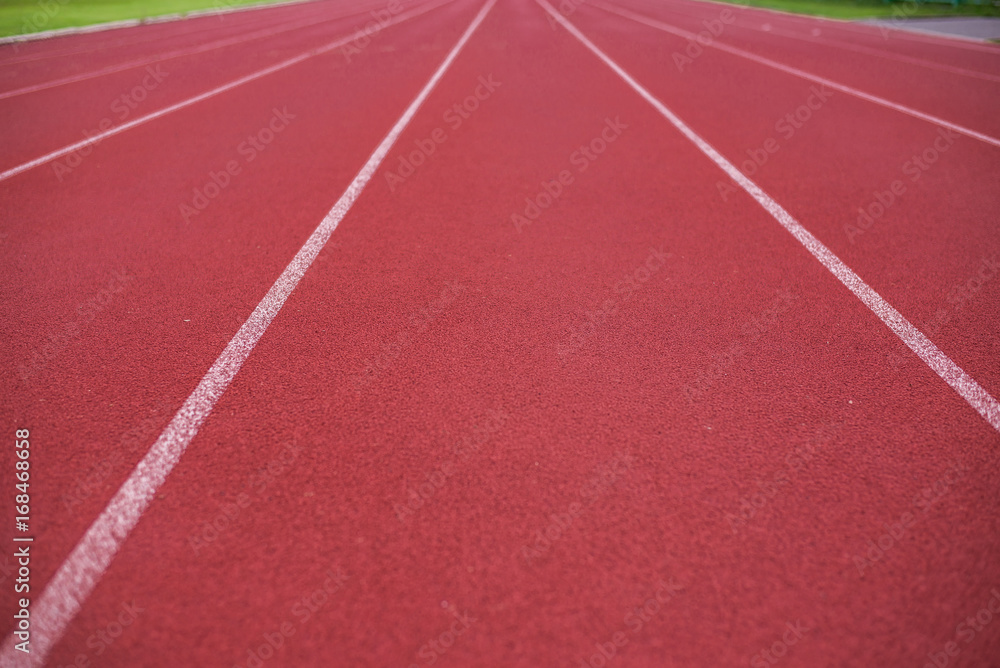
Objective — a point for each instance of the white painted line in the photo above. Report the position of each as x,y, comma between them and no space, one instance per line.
78,30
880,53
80,573
179,53
951,373
134,37
99,137
131,23
139,37
813,39
868,29
794,71
906,26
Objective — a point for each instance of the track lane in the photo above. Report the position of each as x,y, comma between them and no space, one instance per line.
53,75
942,51
176,341
157,34
814,37
76,578
123,101
915,99
977,397
817,377
930,241
496,345
895,40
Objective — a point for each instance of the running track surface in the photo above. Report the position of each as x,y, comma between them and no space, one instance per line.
503,420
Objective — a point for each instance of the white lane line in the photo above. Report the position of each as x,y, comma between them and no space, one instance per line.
854,27
79,574
878,53
754,20
951,373
285,64
132,23
177,53
794,71
134,37
907,27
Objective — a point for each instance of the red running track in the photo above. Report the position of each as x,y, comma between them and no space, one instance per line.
638,425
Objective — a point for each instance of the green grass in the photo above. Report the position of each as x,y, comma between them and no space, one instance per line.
868,9
26,16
